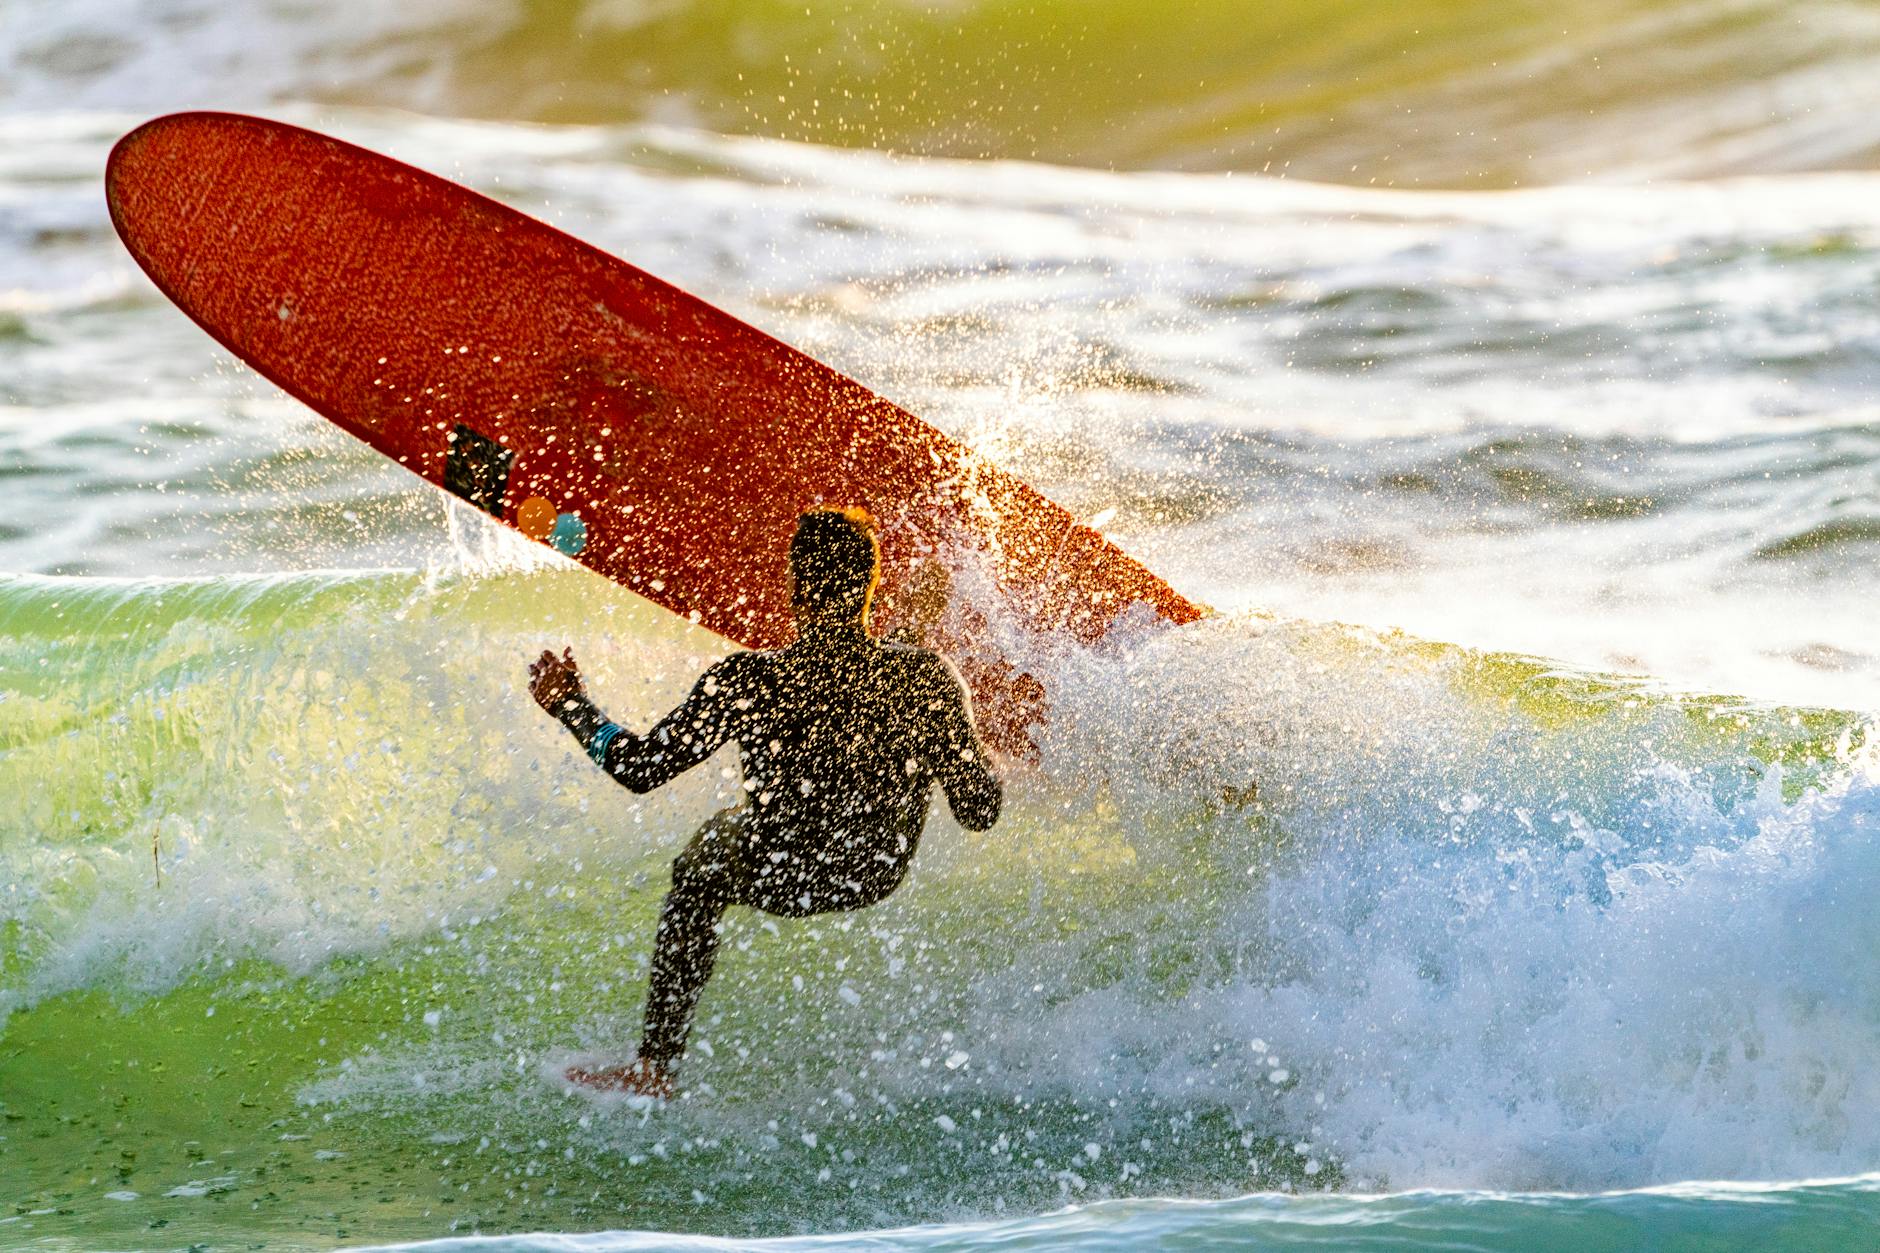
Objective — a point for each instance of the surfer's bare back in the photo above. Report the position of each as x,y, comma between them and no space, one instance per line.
841,739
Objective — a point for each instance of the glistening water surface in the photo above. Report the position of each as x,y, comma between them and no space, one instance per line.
1337,918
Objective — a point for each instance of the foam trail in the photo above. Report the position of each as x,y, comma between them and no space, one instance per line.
1815,1214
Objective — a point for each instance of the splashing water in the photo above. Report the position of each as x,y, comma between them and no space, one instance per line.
1313,905
301,899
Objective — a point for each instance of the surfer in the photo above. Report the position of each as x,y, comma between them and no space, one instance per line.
840,738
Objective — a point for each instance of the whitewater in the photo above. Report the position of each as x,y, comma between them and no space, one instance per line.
1495,868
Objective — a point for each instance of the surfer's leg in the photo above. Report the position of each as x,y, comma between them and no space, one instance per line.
712,874
704,879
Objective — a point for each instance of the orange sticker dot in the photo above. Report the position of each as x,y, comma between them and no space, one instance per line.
536,518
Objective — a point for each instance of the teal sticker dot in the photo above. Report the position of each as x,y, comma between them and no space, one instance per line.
569,535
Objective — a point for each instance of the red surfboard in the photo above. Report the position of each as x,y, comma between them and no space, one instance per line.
657,440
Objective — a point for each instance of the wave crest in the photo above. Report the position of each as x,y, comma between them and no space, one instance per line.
1333,905
1423,93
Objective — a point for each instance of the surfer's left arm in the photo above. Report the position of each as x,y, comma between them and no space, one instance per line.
954,751
683,738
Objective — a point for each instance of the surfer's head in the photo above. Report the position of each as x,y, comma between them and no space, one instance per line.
834,564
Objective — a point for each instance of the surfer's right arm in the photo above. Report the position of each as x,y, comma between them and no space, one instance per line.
683,738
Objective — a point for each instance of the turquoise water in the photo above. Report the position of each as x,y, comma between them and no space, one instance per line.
1495,870
1838,1214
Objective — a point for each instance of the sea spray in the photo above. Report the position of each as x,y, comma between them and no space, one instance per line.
1286,906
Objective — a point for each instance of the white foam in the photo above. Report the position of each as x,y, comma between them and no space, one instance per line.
1658,972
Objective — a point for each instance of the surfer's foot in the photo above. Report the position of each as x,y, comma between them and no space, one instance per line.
635,1079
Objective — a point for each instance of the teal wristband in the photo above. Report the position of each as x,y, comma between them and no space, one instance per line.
598,742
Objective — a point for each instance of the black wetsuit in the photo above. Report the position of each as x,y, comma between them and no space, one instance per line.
841,739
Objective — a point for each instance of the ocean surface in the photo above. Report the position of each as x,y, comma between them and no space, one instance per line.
1506,377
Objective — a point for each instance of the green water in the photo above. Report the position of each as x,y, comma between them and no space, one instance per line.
305,909
1301,934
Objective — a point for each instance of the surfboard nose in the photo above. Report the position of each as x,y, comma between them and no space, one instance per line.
147,167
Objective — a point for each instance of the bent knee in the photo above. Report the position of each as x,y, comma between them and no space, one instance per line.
693,872
703,871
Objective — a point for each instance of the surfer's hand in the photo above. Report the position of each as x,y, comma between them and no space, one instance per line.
556,681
